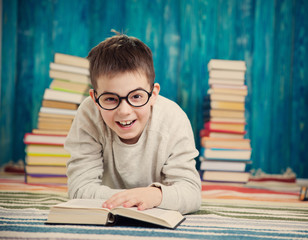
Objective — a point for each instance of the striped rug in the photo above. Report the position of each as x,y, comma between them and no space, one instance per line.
227,212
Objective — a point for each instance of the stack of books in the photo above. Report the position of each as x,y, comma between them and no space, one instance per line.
45,154
225,153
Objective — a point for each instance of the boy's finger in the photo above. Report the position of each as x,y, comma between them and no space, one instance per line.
131,203
142,206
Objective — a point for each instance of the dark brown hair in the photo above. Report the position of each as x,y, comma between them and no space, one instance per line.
119,54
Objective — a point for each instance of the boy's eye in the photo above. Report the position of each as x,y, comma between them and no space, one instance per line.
109,99
137,96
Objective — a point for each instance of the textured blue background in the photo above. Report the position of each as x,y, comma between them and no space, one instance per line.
271,36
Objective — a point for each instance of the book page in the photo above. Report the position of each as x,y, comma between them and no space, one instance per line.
167,218
79,211
83,203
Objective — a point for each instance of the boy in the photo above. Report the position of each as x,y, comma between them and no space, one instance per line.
128,144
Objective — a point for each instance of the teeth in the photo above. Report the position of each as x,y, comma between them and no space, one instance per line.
125,123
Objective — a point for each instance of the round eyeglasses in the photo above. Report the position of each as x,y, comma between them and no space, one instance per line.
135,98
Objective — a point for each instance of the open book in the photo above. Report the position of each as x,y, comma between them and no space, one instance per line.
90,211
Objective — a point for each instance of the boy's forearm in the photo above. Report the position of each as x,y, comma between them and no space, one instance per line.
181,197
92,190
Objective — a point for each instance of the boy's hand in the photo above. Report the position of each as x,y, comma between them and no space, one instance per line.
143,198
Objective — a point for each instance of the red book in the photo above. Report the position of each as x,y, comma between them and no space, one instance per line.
225,127
44,139
221,134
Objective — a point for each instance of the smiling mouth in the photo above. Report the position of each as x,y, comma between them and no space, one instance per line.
126,123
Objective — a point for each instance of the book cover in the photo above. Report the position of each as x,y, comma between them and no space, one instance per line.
221,134
59,104
227,74
90,211
240,90
55,120
225,143
46,179
74,77
225,176
45,170
229,91
232,82
224,97
238,65
232,166
50,132
32,138
46,159
71,60
69,68
50,124
206,131
56,115
225,119
55,95
46,150
225,127
72,87
208,112
224,105
226,154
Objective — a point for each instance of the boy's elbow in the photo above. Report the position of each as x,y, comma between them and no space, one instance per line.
72,192
191,200
198,203
195,203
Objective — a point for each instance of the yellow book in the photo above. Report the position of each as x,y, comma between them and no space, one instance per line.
36,169
41,179
46,150
224,105
210,142
46,160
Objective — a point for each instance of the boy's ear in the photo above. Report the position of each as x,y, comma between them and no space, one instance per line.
155,92
92,94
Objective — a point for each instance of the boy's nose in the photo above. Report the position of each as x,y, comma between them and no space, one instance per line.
124,108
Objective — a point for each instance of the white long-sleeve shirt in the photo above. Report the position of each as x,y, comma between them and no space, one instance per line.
102,165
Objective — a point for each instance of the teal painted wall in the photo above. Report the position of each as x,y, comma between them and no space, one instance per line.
270,35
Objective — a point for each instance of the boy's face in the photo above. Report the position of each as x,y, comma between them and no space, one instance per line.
126,121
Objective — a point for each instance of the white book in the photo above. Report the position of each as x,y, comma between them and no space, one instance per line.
90,211
71,60
226,176
69,76
31,138
68,68
226,135
223,165
226,81
226,97
227,154
228,120
227,64
59,111
226,86
55,95
227,74
228,89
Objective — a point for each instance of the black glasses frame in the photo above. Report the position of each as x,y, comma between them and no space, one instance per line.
121,98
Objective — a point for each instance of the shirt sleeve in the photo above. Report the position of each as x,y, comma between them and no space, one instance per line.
85,144
181,185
